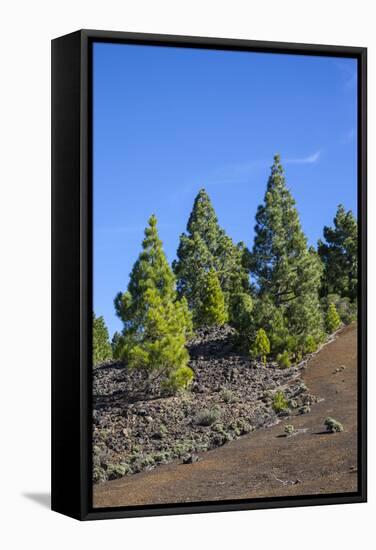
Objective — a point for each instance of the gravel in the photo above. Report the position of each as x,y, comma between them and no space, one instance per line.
132,433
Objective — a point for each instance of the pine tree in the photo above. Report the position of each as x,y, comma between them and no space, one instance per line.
261,346
117,344
156,324
272,318
346,309
286,271
203,247
241,313
214,311
332,319
340,256
151,270
101,346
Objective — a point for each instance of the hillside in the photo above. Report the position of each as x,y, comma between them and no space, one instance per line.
263,462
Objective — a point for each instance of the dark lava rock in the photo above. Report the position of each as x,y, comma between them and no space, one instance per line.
134,431
190,459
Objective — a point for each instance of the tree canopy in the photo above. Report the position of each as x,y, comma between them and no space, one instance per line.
339,254
261,346
156,324
287,273
204,247
270,295
213,310
102,350
332,319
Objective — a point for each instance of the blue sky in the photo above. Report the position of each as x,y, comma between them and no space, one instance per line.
168,121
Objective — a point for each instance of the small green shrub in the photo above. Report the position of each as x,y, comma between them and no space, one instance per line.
283,360
202,447
289,429
161,457
218,427
261,346
207,417
180,379
160,433
332,319
244,426
333,425
228,396
115,471
240,427
143,462
310,345
99,474
280,402
182,448
346,309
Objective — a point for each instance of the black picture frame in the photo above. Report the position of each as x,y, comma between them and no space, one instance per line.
72,272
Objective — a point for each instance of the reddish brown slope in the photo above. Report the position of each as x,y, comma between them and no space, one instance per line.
262,463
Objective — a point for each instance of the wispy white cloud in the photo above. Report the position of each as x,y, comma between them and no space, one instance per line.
349,136
310,159
234,173
238,173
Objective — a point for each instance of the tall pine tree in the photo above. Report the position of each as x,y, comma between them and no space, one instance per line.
203,247
156,324
102,350
287,273
214,310
339,255
332,319
117,344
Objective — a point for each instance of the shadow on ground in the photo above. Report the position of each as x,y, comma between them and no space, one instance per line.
43,499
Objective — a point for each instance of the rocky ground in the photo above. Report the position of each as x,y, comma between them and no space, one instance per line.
230,396
268,462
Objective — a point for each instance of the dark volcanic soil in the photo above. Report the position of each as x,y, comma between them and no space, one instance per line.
230,396
264,463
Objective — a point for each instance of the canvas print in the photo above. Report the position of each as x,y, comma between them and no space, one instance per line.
225,275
